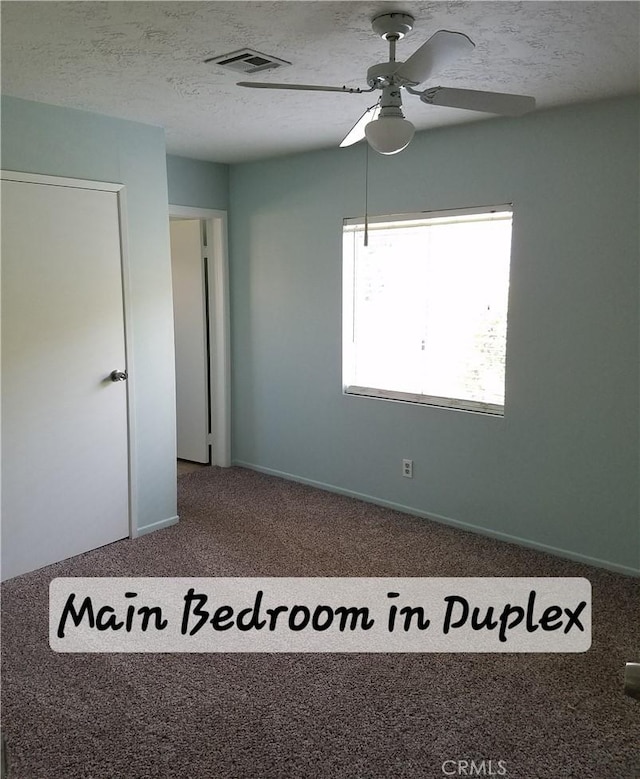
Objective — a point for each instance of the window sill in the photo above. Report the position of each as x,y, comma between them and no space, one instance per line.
454,404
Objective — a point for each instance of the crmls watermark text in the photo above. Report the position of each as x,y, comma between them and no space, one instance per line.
467,767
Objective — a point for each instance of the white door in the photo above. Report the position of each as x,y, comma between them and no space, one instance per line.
65,483
190,317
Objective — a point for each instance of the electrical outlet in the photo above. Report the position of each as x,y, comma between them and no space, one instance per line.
407,469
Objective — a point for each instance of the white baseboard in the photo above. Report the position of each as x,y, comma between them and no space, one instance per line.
156,526
483,531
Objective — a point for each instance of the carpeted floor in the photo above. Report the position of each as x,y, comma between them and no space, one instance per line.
253,716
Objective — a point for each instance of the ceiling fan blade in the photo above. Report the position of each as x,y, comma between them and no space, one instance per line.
356,133
474,100
442,48
305,87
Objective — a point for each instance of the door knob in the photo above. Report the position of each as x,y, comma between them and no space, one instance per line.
118,375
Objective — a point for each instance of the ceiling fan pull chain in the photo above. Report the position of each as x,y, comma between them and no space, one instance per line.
366,195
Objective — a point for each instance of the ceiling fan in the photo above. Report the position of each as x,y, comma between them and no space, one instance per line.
383,124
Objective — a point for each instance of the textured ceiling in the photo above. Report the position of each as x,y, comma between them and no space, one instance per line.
144,61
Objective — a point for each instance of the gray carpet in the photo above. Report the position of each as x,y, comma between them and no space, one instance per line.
252,716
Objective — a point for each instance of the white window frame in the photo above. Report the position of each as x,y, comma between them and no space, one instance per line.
359,224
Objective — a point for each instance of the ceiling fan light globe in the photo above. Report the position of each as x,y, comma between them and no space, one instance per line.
389,134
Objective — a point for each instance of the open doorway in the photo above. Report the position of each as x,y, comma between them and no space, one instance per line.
201,315
189,271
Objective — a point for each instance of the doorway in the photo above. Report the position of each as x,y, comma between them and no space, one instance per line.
201,316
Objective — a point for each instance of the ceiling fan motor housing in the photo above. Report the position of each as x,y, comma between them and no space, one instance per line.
379,76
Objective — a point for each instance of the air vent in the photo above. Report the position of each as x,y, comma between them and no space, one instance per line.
248,61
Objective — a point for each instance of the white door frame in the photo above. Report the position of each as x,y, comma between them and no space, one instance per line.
120,191
219,327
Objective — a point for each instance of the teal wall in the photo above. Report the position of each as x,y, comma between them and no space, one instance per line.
38,138
561,470
196,183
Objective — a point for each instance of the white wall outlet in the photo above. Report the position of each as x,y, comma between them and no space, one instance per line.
407,469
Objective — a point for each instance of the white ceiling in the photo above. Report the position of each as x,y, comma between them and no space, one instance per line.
144,61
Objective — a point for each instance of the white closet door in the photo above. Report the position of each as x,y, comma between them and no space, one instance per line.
65,482
189,310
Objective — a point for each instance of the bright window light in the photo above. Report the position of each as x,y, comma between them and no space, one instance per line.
425,307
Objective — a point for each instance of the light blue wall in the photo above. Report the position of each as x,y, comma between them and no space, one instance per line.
561,469
46,139
197,183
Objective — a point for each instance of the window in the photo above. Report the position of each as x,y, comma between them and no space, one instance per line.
425,307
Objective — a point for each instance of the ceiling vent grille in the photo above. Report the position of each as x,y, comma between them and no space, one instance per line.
247,61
